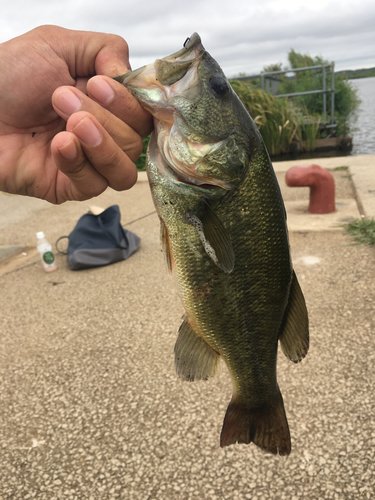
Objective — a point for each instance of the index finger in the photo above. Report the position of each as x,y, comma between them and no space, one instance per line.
117,99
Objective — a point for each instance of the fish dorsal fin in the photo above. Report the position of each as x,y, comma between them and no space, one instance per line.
214,237
194,358
294,336
166,246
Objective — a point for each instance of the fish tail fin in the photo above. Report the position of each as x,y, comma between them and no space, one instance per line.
267,426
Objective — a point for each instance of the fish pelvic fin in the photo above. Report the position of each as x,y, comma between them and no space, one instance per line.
194,358
294,336
266,426
214,237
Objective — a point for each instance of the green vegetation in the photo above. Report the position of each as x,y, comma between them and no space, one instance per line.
141,161
362,230
346,105
276,119
346,98
281,120
357,73
309,131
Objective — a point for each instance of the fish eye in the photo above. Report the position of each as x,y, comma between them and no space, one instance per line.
218,85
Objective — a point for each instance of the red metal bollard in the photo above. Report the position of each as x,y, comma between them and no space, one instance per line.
321,184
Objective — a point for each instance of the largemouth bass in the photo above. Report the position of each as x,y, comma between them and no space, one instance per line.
224,235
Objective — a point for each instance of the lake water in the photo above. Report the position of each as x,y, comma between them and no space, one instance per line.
364,136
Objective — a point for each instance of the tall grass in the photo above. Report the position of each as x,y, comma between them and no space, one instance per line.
277,119
309,131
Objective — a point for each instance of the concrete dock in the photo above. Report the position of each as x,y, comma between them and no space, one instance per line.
90,405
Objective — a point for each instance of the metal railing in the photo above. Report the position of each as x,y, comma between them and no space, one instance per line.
266,77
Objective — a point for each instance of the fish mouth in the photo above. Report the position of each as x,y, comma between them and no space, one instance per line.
158,86
168,70
155,84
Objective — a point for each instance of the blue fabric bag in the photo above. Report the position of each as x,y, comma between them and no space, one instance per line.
99,240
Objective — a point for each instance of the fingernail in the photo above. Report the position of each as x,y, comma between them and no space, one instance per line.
67,102
87,133
68,151
101,91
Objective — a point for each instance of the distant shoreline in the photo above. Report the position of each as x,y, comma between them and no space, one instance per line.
352,74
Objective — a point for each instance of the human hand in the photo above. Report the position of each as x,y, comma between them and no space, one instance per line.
46,87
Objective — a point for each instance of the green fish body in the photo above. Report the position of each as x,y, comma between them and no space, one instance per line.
224,236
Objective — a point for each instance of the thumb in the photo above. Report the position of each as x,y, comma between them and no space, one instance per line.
89,53
113,59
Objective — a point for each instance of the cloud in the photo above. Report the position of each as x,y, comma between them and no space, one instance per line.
243,36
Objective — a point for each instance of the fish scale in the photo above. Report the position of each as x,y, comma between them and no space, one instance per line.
224,235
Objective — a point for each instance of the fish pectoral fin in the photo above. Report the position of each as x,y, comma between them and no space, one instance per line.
294,334
194,358
166,246
214,238
266,426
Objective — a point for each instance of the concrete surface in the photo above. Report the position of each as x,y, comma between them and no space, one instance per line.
360,168
90,406
8,251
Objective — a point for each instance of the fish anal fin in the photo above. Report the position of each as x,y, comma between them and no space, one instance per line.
214,237
294,334
266,427
166,246
194,358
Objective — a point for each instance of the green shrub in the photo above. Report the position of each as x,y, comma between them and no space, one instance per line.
346,105
346,97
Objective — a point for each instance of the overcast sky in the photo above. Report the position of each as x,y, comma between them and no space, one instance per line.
242,35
